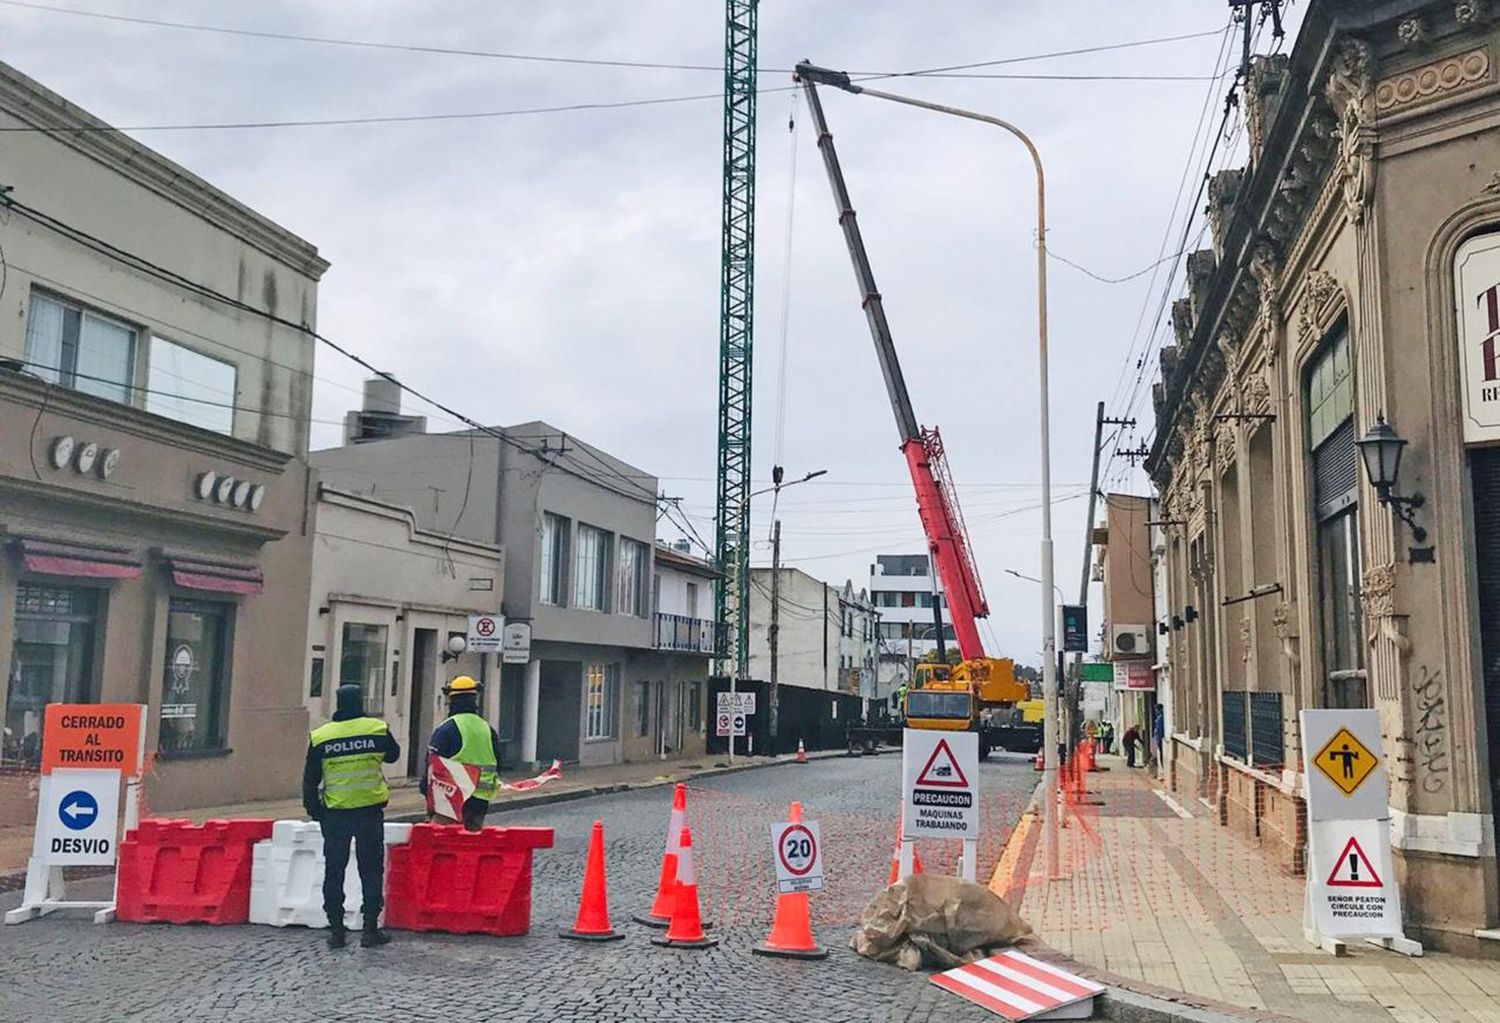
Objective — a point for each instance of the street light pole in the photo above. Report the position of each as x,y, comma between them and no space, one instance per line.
773,630
840,80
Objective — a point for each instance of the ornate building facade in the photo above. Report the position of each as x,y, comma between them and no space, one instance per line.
1352,278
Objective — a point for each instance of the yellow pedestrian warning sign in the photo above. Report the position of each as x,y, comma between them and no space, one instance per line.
1346,761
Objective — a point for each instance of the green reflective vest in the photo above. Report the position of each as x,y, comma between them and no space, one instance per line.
478,751
352,752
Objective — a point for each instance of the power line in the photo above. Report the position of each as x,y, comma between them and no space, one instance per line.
548,59
143,265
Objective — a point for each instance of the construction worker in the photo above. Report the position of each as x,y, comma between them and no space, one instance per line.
467,738
344,790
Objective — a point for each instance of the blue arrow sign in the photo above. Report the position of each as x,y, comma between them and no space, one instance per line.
78,810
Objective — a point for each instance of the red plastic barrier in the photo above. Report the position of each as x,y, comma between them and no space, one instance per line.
463,882
179,872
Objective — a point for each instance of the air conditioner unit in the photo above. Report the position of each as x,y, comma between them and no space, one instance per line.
1130,640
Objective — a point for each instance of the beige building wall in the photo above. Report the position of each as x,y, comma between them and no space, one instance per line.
373,566
1373,148
137,519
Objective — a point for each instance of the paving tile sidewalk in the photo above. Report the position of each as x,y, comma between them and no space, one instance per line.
408,803
1157,893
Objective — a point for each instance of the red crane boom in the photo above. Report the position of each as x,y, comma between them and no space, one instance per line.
937,500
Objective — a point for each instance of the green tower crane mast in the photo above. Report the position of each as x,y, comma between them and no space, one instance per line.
736,323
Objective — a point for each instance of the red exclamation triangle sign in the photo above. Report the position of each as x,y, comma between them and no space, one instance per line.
942,770
1352,869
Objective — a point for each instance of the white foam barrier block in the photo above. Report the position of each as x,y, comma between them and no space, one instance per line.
286,876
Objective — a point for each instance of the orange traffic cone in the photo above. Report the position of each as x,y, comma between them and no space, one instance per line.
660,913
791,930
916,861
1039,763
801,753
686,930
593,908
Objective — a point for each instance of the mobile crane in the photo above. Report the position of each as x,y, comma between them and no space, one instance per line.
972,694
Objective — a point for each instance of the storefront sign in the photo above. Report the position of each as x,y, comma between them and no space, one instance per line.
1134,675
1476,288
515,643
92,735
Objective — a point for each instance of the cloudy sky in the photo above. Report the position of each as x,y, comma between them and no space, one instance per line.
565,266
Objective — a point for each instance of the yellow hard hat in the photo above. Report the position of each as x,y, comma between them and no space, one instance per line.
462,684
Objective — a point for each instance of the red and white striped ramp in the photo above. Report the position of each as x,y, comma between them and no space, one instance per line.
1019,987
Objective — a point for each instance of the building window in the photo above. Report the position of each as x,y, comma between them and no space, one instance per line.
52,661
1335,468
554,559
642,708
631,584
656,593
591,569
601,697
908,599
315,679
692,600
362,663
195,687
79,348
695,706
190,387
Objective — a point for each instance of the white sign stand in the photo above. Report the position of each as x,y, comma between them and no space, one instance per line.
940,771
45,890
1347,792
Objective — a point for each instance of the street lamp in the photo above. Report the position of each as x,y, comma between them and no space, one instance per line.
1381,450
840,80
779,486
773,630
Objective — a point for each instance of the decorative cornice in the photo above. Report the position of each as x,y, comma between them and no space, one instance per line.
1440,79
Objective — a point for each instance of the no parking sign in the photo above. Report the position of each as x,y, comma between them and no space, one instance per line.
797,852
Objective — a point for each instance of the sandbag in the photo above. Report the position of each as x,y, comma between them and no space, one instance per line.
934,920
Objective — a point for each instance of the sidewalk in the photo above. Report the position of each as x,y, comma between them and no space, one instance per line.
408,804
1158,894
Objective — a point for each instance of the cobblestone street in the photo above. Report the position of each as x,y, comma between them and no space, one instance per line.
68,969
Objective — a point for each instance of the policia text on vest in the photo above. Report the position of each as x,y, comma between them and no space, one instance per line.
344,789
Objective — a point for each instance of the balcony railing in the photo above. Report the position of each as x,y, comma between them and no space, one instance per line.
691,635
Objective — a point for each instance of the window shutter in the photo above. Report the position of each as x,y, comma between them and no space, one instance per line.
1336,471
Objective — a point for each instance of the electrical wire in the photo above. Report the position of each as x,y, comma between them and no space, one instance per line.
143,265
538,58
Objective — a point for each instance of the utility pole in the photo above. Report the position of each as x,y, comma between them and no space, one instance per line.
1075,688
773,632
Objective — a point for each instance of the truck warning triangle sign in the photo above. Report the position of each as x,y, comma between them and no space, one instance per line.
1353,869
942,770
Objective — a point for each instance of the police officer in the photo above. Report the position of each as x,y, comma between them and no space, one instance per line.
344,790
467,738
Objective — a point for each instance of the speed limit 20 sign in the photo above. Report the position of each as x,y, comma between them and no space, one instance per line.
797,851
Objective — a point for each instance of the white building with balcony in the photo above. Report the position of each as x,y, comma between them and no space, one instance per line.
902,591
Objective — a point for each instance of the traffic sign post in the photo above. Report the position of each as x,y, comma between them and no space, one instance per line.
87,749
1351,881
486,634
797,854
940,792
